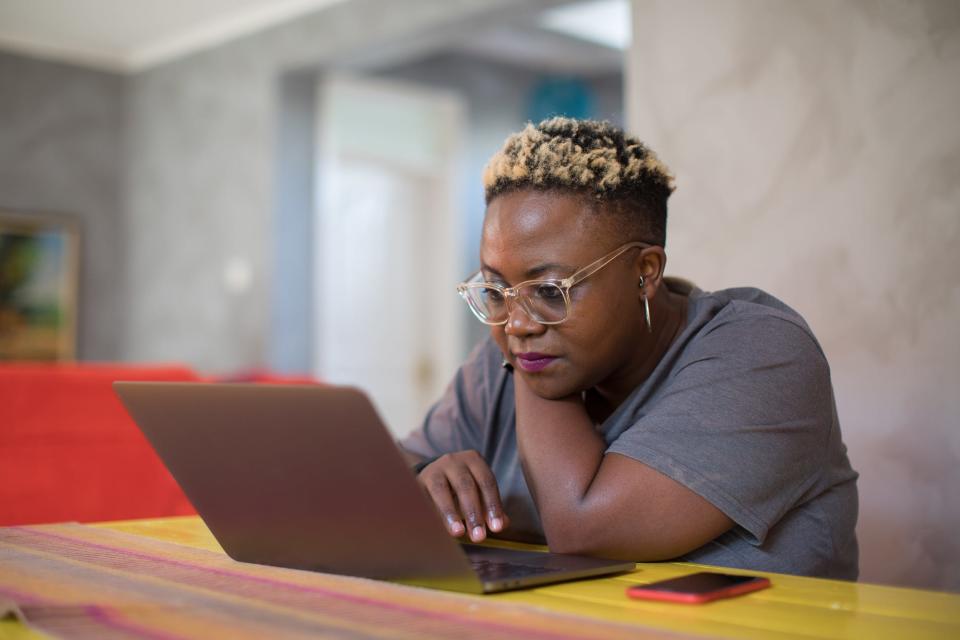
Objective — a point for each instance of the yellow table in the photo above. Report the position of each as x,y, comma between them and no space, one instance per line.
793,608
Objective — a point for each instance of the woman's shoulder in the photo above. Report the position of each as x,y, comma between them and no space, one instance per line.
747,316
486,355
483,376
737,303
741,300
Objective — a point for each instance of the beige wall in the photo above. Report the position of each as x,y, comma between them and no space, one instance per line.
817,150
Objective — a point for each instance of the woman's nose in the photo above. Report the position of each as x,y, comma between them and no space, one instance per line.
519,322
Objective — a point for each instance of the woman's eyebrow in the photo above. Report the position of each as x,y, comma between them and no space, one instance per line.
547,268
532,273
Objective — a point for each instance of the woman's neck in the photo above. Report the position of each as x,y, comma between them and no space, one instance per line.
668,316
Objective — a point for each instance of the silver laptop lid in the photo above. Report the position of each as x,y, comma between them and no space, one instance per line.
257,461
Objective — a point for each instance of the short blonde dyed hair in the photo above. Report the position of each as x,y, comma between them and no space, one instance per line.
590,158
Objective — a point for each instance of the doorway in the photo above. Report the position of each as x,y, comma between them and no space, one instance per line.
387,242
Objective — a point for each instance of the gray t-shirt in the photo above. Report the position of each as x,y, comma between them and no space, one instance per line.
740,410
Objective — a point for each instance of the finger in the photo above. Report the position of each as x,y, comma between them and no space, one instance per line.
468,497
489,494
441,493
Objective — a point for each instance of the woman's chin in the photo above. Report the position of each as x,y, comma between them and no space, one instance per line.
551,388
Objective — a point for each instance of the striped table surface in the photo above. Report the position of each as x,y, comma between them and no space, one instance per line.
168,578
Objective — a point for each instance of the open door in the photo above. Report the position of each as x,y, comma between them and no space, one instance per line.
388,237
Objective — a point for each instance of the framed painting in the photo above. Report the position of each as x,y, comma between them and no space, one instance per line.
39,271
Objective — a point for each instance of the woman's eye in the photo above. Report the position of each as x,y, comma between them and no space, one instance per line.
549,292
493,295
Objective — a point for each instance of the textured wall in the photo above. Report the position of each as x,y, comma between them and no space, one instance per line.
200,190
817,148
60,151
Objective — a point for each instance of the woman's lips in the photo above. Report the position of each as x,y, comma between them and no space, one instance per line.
534,362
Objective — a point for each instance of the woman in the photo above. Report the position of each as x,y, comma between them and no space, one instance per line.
619,413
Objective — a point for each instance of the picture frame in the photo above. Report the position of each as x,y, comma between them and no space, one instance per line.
39,278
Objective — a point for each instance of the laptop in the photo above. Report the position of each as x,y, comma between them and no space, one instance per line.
308,477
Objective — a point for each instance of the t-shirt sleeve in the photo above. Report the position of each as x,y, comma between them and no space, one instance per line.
744,419
456,422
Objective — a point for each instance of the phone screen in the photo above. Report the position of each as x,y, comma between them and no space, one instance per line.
699,587
700,583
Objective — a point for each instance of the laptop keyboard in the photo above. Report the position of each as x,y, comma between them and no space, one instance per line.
491,570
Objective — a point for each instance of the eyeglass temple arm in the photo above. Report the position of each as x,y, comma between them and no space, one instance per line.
591,269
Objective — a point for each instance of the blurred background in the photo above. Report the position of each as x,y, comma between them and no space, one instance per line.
293,187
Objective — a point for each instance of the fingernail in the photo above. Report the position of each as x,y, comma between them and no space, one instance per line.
476,534
456,527
496,523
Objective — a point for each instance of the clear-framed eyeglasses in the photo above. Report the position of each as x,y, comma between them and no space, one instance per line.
545,301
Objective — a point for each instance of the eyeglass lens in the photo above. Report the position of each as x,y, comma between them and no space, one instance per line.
543,301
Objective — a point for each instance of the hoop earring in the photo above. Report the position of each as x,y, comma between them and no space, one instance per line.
646,313
646,307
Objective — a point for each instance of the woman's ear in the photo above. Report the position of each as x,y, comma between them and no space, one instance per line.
649,268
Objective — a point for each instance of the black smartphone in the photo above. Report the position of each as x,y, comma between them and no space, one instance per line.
697,588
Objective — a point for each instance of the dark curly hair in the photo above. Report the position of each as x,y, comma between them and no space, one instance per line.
588,157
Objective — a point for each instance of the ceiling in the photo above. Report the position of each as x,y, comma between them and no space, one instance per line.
132,35
129,35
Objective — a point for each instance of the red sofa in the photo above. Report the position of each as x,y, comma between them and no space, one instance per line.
70,452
